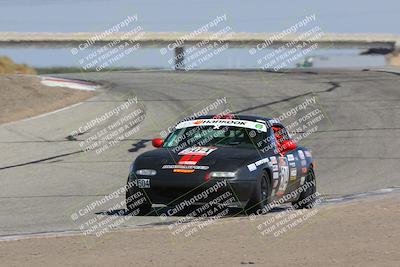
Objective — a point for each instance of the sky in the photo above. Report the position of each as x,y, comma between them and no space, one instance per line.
155,15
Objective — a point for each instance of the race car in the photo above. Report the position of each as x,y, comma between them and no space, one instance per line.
251,157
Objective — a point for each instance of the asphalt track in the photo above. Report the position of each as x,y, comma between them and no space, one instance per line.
44,177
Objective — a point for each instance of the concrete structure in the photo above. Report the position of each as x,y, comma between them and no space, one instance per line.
376,43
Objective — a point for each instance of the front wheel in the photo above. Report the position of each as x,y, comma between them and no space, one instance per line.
261,196
307,197
136,201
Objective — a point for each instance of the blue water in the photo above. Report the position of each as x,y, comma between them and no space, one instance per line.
355,16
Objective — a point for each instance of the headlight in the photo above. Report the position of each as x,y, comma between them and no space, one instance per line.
222,174
146,172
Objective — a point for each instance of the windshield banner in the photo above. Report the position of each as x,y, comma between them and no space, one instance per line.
223,122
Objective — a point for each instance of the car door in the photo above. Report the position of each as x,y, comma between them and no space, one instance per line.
289,163
294,169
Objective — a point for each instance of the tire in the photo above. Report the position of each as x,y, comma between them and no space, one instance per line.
307,198
132,206
261,196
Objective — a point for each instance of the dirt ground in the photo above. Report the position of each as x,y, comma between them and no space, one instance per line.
360,233
23,96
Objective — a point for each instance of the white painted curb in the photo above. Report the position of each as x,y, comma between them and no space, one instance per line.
72,84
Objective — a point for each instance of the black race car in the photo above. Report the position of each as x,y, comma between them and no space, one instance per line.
251,157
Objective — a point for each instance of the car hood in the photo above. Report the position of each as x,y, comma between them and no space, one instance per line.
220,158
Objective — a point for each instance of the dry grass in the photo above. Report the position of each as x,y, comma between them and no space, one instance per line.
7,66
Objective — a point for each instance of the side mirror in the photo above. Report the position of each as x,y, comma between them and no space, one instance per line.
157,142
288,145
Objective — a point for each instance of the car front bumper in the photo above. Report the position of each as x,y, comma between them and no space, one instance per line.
176,191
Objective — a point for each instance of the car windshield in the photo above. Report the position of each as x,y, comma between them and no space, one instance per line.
226,136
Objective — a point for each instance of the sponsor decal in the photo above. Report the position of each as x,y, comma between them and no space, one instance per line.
198,122
262,161
290,157
223,122
303,162
275,168
292,164
293,174
197,150
302,180
183,171
273,160
258,126
186,167
252,167
275,175
301,154
308,154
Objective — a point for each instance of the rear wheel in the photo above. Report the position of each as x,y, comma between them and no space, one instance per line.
261,196
136,201
307,197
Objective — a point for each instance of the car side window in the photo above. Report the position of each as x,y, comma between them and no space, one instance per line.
267,143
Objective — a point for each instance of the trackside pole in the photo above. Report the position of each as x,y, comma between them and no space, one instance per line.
179,58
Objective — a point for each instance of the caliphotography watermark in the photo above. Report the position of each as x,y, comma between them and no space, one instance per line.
217,107
111,212
194,49
276,54
107,130
277,224
301,121
106,49
212,204
283,222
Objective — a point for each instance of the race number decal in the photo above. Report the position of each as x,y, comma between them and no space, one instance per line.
284,174
198,150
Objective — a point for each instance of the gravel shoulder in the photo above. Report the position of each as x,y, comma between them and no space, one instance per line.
23,96
359,233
